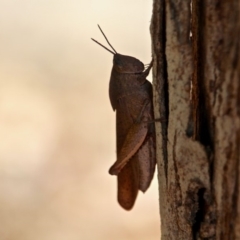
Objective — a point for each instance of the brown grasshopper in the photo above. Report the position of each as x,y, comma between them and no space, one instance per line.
131,96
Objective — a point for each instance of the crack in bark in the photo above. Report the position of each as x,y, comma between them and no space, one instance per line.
158,31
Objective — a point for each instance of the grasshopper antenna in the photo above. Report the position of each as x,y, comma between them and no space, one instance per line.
103,46
114,51
107,39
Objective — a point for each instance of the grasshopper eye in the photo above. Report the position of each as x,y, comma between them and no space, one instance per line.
117,61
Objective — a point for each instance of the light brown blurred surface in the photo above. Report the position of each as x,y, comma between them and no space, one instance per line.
57,127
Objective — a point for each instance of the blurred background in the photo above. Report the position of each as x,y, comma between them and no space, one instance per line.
57,126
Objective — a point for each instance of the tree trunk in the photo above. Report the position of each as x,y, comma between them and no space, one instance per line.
196,79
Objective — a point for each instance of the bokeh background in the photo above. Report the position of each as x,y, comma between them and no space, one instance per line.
57,126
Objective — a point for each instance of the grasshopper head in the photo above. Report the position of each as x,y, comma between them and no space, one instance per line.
127,64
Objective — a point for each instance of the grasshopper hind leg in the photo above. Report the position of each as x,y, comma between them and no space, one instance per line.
128,182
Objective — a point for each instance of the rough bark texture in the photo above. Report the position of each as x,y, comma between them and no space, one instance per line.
196,79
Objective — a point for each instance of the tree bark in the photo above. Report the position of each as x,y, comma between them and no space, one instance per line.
196,80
